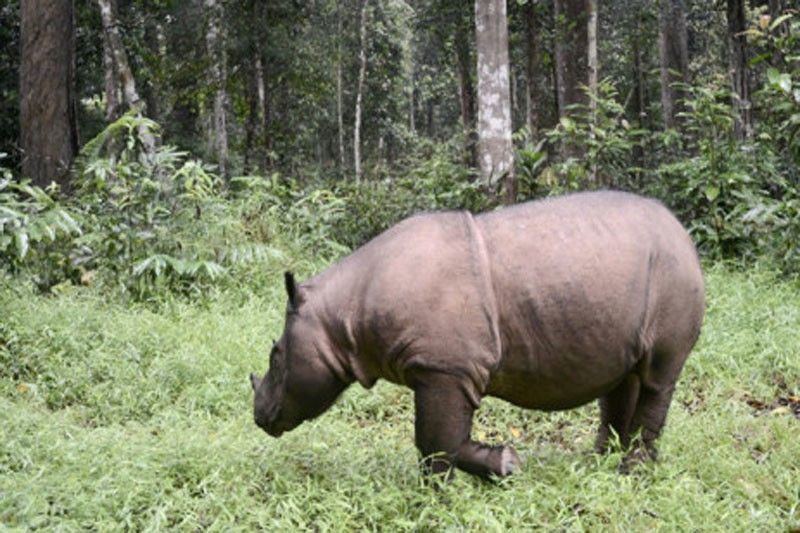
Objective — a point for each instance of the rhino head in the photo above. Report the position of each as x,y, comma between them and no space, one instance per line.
298,385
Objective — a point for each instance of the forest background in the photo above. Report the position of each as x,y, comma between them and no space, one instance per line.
162,162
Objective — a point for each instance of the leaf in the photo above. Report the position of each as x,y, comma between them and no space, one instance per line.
70,222
21,240
778,21
712,192
785,82
772,75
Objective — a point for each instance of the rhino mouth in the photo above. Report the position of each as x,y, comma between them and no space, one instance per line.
273,428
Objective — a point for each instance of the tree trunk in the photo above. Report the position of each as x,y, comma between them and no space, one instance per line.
571,51
591,36
47,107
253,115
592,53
737,59
674,57
495,150
466,93
156,43
412,88
339,89
572,62
362,74
129,93
217,74
641,84
111,83
533,100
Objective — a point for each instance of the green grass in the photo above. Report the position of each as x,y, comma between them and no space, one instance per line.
115,416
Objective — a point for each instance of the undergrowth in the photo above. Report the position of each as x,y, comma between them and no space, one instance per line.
119,416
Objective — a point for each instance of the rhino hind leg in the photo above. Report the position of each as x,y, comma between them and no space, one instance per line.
442,426
657,384
616,411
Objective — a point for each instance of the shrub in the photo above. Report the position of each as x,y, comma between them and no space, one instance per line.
36,229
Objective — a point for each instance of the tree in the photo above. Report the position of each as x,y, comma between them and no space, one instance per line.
122,70
495,151
111,82
592,63
572,53
362,74
340,89
673,52
466,91
217,75
533,100
591,35
48,105
737,60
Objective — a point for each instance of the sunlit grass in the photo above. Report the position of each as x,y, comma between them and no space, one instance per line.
115,416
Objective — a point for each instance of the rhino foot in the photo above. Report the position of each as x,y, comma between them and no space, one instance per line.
509,461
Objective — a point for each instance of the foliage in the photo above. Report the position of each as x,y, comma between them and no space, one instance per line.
35,229
779,98
713,189
330,217
603,138
139,207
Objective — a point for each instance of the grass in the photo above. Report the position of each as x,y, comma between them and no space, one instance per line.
115,416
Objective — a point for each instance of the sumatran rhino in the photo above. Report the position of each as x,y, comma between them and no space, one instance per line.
548,305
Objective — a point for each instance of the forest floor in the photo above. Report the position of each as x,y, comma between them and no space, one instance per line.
139,417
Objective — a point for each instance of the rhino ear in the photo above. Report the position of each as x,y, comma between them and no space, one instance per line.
293,291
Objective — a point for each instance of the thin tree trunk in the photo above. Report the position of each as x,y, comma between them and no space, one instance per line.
592,63
737,59
111,83
156,42
217,77
641,84
129,93
532,99
495,150
269,156
339,89
253,116
674,58
362,74
572,58
592,53
47,107
571,47
466,93
412,89
640,89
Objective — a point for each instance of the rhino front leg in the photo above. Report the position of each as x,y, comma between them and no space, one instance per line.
443,424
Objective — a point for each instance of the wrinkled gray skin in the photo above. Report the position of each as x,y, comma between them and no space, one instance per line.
548,305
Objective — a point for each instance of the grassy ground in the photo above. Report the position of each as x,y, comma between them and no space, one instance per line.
115,416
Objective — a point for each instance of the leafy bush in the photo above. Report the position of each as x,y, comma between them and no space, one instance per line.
35,229
139,206
713,189
604,139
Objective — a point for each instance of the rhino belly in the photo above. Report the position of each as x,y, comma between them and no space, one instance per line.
558,381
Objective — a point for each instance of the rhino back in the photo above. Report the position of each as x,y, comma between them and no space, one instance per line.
585,285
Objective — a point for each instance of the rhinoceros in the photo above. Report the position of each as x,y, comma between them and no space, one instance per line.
548,305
